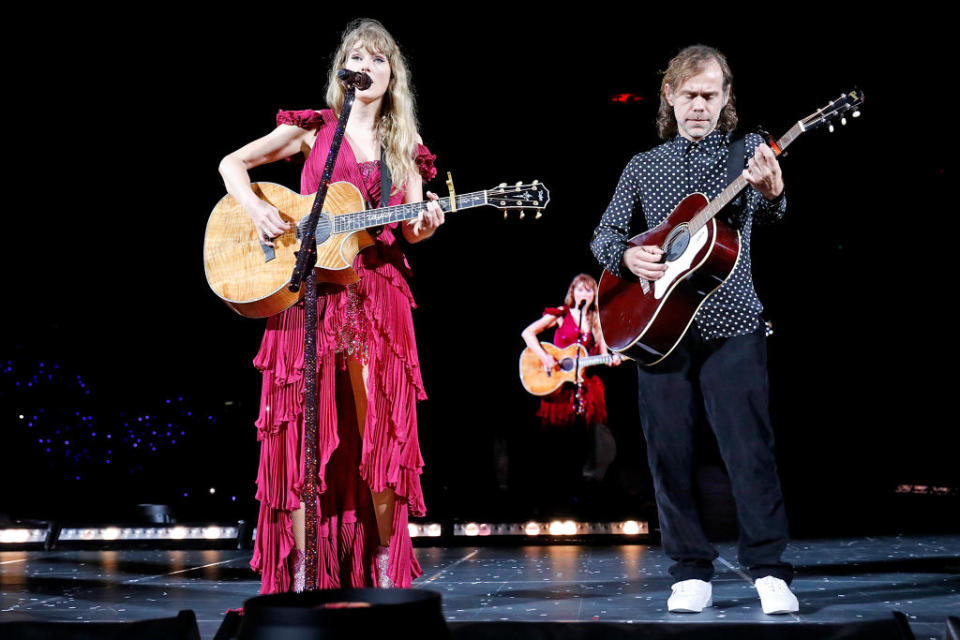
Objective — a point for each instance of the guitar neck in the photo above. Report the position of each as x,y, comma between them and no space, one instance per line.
734,188
589,361
348,222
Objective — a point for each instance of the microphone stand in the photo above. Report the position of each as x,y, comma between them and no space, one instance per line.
578,397
303,272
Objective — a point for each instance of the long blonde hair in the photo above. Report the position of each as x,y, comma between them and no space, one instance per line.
397,125
592,316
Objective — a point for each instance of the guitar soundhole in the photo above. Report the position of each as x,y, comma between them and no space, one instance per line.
566,364
677,242
324,227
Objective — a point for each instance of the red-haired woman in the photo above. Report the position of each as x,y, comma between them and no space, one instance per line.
559,408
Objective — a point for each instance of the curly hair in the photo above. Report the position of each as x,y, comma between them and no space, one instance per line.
686,64
397,124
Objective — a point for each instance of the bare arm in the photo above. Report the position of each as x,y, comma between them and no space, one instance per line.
282,142
529,336
430,218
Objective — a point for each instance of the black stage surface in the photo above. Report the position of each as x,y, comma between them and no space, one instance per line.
839,580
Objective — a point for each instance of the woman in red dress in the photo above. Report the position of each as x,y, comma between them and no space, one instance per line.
559,408
369,380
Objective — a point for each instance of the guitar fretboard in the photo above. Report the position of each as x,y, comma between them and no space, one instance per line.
734,188
592,360
348,222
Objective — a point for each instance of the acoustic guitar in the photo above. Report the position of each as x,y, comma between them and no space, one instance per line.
252,277
646,319
541,382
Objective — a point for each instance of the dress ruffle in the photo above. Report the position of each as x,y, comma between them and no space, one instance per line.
556,409
305,119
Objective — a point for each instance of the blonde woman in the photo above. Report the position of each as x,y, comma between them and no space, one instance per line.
369,380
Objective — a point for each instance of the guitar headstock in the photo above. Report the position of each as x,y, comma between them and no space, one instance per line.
846,103
523,197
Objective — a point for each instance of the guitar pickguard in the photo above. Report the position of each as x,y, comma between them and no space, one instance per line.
680,265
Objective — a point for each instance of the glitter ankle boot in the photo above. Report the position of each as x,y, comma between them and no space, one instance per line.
383,559
298,569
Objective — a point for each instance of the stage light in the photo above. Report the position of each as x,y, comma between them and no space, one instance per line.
111,533
212,532
177,533
532,529
21,536
433,530
471,529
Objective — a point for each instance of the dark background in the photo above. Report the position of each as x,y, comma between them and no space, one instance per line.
115,137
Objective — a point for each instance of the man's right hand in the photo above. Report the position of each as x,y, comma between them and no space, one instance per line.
645,261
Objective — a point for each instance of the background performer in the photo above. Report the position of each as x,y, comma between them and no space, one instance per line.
558,409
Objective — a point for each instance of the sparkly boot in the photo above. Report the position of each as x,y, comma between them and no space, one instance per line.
298,569
382,561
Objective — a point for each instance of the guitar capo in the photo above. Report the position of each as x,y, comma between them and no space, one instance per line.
771,142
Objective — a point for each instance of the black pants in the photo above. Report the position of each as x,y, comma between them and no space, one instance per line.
724,380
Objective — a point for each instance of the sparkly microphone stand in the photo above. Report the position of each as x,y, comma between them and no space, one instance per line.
303,274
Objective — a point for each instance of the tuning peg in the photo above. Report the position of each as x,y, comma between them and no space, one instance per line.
504,215
522,213
856,113
519,183
843,121
535,183
538,216
830,128
502,185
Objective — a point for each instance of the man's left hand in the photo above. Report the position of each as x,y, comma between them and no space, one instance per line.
763,173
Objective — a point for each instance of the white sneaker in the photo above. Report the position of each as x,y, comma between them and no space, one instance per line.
690,596
775,596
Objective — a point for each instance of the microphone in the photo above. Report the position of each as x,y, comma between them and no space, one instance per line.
582,304
358,79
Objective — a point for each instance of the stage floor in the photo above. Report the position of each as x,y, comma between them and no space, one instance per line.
839,580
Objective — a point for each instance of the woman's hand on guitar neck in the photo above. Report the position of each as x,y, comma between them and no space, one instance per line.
431,217
644,261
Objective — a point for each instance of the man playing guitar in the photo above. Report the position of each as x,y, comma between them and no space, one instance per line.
718,370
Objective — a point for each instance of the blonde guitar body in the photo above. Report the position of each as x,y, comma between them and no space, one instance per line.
252,278
242,272
541,382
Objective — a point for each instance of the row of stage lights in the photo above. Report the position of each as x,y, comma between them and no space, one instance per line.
554,528
51,536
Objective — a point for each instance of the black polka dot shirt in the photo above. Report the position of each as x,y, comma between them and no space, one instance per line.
655,182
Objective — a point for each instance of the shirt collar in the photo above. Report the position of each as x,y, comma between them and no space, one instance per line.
711,144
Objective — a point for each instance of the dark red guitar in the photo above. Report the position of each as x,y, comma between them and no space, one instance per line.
646,319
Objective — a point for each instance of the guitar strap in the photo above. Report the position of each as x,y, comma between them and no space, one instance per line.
386,182
736,157
736,161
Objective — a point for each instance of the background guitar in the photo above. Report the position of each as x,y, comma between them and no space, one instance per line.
541,382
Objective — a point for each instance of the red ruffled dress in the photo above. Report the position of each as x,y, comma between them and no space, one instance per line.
556,409
372,318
